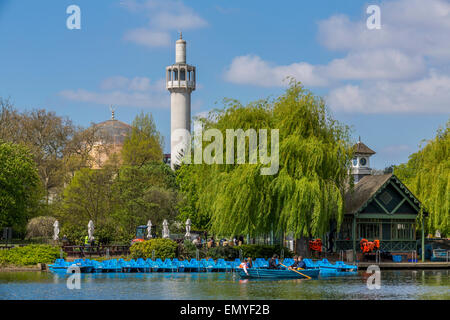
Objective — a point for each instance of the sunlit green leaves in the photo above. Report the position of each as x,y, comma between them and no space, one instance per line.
427,175
306,192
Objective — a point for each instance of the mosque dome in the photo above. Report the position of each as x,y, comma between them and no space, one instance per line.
113,131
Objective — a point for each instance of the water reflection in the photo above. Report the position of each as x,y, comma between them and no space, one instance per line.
405,284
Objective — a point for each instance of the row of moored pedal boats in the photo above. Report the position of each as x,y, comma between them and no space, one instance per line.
259,269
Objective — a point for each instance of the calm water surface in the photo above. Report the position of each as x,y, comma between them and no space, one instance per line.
405,284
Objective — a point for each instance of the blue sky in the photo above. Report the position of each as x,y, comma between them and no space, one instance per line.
391,85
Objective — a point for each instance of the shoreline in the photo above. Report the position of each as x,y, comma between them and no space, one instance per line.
36,268
42,267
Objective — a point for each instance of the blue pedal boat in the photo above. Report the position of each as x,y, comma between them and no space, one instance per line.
181,265
61,266
193,266
157,265
339,268
169,266
257,273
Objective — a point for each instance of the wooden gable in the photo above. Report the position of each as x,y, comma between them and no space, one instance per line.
382,197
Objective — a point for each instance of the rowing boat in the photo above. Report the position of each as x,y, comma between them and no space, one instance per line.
257,273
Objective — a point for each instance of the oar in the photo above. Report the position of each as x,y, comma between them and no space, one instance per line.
307,277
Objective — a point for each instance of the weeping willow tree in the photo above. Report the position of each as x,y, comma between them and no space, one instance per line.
302,196
427,175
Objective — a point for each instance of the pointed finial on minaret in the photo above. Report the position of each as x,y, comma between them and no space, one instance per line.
112,112
181,35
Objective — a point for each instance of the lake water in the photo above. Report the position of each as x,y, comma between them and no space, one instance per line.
405,284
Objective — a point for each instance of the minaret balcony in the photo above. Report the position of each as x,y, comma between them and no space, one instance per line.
180,84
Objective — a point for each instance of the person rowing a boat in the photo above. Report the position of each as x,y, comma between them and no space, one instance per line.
273,262
246,264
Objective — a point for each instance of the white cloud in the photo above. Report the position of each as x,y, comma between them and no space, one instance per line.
388,70
251,69
121,91
389,64
365,65
427,95
164,16
179,21
417,27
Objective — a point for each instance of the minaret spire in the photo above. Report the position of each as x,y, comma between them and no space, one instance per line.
112,112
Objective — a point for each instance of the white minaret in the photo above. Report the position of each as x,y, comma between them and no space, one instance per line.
180,81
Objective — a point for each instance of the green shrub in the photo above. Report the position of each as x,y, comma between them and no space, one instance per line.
227,253
187,250
164,248
75,233
29,255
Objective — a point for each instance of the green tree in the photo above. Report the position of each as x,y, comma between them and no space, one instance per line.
48,137
88,197
143,193
20,187
302,197
427,175
144,144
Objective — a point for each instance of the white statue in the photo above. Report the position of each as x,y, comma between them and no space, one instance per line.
149,229
188,229
165,232
56,231
91,230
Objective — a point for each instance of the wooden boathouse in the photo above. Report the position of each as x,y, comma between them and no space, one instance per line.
379,207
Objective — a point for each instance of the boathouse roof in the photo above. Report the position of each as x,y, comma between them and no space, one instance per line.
381,193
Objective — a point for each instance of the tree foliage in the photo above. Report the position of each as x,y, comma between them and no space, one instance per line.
427,175
144,144
54,143
144,193
162,248
20,187
302,197
118,199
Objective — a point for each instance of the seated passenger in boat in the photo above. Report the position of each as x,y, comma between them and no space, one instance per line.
294,265
301,263
249,262
298,263
273,262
